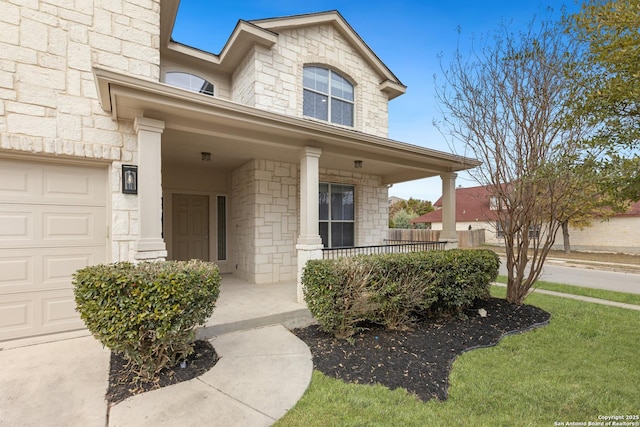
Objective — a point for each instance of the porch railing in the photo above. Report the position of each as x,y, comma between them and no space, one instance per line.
392,246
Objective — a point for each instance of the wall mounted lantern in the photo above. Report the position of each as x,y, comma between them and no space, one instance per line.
130,179
357,164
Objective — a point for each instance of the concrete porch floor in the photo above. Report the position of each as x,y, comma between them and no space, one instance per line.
242,305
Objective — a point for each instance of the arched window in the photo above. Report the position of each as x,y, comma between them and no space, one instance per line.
189,82
327,96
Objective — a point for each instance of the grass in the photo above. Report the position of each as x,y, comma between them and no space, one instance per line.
583,364
587,292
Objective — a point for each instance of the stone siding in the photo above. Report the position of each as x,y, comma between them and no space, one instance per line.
48,99
271,79
265,220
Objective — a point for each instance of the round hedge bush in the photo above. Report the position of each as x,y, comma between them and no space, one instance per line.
147,312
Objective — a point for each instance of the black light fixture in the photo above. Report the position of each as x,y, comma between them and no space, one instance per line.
357,164
130,179
206,157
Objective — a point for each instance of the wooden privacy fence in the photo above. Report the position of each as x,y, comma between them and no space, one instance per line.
466,238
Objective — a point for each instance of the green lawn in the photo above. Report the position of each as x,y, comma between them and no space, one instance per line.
587,292
585,363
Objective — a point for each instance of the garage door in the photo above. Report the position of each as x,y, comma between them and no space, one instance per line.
52,222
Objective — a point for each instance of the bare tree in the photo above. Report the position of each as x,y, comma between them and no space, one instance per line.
507,103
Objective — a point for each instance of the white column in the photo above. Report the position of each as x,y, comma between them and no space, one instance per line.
309,245
448,232
309,186
150,245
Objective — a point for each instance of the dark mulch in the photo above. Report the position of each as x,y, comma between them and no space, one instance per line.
418,360
124,383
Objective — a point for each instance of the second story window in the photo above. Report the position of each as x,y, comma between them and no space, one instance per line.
327,96
189,82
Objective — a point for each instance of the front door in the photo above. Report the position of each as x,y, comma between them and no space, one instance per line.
190,227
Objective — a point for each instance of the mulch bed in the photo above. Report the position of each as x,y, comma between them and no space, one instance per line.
418,360
124,383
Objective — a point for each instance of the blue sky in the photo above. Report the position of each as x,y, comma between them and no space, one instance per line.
407,35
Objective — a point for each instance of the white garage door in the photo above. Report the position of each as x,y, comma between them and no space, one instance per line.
52,222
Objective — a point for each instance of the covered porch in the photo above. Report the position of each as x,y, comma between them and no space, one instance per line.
243,305
262,178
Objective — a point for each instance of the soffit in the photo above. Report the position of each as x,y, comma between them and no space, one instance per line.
241,132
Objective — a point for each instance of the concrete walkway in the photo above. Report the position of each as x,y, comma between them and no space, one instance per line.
264,369
61,380
261,374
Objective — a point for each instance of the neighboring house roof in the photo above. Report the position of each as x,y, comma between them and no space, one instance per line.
472,204
634,210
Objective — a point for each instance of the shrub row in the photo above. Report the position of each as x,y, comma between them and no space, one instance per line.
147,312
395,290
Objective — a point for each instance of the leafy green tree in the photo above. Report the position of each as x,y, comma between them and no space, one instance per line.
416,207
610,73
402,218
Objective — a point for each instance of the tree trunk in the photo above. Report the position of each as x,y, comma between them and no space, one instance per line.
565,237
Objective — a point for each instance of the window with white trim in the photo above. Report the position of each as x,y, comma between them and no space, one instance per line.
189,82
336,214
327,96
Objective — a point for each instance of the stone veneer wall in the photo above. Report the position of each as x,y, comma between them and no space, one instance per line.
271,79
372,204
265,220
48,99
243,80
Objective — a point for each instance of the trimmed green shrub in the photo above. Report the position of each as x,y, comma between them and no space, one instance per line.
395,290
147,312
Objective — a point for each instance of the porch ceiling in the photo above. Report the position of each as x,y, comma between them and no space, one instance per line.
235,133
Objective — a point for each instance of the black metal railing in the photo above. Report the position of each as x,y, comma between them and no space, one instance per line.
392,247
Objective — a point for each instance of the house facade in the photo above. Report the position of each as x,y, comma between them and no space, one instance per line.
119,143
475,210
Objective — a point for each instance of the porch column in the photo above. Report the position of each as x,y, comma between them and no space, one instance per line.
149,245
448,232
309,245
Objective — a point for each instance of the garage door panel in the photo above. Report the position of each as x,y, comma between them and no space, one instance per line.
15,181
15,225
16,315
28,270
58,267
25,182
17,272
59,311
51,226
53,222
72,185
85,226
38,313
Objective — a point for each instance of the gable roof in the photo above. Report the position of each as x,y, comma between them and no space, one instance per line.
264,32
333,17
472,204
